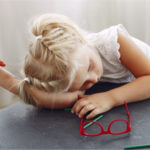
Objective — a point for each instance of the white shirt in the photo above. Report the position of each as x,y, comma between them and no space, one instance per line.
107,45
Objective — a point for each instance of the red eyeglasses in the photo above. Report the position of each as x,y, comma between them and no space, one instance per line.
102,131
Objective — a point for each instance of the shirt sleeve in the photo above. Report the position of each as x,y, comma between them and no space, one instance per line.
108,48
108,43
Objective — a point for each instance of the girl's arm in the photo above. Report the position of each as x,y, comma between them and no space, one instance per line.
139,64
45,99
54,100
8,81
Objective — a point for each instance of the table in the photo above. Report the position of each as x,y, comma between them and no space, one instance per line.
26,127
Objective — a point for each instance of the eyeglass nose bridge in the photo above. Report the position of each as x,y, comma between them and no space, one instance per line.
102,129
105,132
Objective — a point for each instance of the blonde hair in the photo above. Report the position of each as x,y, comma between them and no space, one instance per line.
51,62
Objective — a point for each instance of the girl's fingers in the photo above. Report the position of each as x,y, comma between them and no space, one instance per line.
78,106
94,113
2,63
86,109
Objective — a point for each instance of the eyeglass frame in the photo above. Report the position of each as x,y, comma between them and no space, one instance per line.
108,131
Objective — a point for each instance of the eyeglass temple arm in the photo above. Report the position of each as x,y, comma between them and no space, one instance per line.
127,110
81,126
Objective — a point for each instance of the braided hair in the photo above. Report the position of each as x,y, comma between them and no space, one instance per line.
51,61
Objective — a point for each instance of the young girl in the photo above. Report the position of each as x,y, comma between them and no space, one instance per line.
63,58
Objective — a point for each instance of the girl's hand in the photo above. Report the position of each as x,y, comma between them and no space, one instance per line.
2,64
96,103
54,100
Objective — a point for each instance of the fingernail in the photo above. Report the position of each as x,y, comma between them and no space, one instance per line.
2,64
